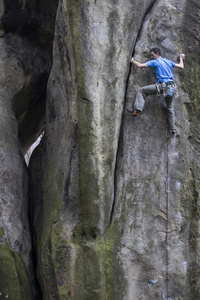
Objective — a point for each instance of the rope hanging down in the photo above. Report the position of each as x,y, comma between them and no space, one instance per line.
167,215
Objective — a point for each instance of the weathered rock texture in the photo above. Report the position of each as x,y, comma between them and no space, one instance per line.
101,181
24,70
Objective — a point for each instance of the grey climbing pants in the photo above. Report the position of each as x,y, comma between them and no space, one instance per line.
152,90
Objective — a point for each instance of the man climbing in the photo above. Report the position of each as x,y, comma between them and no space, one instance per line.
164,85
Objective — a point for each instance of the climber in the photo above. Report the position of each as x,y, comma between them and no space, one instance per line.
164,85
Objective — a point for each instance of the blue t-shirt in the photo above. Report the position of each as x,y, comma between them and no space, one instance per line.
163,68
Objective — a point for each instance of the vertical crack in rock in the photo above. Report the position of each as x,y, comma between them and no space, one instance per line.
148,10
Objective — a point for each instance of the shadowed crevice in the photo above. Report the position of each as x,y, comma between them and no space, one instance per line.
120,141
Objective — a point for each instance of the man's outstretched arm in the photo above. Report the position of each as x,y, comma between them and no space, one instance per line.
137,64
181,64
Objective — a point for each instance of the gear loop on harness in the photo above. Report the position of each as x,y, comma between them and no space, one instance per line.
166,88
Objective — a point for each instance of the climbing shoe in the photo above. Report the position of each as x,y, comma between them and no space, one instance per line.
132,111
173,131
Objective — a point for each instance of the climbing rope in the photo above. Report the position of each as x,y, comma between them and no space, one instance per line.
167,216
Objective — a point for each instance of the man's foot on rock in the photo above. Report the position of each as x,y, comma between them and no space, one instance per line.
173,131
132,111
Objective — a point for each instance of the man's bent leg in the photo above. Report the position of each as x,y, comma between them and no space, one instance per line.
170,112
142,93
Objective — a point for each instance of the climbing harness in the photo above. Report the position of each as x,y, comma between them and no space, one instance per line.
167,89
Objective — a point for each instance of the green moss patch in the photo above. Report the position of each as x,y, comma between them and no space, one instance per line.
62,260
14,282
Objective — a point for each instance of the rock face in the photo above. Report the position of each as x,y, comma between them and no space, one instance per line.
24,72
112,208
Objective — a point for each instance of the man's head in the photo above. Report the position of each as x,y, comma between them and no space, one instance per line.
155,53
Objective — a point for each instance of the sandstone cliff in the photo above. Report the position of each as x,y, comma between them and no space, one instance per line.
88,218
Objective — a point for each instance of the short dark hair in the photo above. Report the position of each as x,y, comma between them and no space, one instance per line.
155,50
